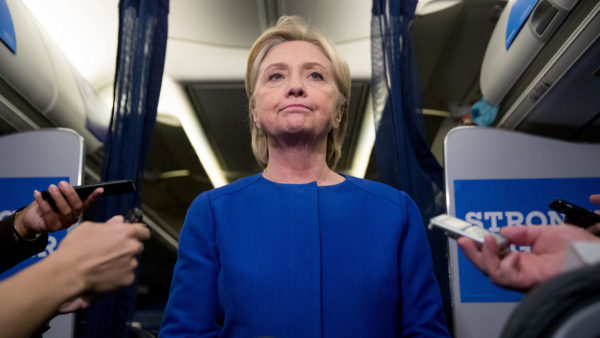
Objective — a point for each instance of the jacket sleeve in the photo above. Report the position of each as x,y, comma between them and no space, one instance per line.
13,250
192,308
421,306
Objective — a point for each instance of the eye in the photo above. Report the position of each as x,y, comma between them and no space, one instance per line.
316,76
275,76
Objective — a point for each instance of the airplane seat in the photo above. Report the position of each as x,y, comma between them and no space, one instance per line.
565,306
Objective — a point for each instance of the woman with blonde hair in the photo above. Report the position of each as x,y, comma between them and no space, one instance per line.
300,250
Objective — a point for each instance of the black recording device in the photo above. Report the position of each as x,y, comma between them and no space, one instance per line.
575,214
134,215
84,191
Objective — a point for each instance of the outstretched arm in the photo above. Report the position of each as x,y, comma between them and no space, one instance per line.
95,257
23,234
39,217
524,270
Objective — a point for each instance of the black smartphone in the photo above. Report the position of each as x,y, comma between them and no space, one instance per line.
84,191
575,214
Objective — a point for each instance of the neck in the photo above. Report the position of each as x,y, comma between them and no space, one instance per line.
296,168
298,165
299,162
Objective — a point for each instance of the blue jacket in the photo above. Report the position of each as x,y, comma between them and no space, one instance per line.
258,258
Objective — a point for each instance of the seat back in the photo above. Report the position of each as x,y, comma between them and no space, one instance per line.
496,178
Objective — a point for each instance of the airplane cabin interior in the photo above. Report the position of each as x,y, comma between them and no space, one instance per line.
543,81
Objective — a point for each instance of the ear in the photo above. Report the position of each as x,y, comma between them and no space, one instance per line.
252,107
337,118
339,108
255,117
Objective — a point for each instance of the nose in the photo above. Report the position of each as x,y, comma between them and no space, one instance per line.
296,88
296,91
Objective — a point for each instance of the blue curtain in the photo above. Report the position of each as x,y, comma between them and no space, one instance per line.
138,78
403,158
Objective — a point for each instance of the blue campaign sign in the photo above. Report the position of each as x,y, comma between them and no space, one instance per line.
7,30
495,203
519,12
18,192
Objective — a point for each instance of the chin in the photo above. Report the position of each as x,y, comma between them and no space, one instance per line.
296,130
296,126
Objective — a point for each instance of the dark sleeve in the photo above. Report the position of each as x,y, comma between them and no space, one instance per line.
12,249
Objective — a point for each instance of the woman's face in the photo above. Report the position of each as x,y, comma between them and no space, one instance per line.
296,92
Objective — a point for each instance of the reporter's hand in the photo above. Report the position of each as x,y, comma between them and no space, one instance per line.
39,217
104,254
524,270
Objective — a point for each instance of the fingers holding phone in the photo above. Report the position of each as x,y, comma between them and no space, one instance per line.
65,199
61,208
62,205
472,251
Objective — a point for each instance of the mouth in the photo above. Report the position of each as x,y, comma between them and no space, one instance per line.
295,105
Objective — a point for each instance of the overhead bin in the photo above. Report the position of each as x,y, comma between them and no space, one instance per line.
541,68
35,69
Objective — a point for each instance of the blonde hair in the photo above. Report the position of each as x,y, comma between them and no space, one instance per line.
294,28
